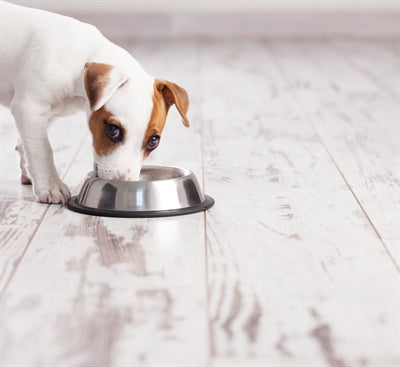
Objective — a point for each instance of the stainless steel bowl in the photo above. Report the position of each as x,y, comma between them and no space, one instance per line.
161,191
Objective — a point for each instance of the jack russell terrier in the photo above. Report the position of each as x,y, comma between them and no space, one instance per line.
52,65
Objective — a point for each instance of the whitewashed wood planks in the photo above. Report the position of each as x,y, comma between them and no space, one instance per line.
379,61
293,273
113,292
357,120
297,274
20,214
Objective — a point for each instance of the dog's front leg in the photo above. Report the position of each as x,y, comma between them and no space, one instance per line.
31,120
25,180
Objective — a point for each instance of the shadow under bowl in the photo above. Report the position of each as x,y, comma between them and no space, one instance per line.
160,192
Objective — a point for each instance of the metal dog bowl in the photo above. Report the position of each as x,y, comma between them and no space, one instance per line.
160,192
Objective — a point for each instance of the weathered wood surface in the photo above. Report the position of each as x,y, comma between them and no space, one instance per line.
357,121
291,254
20,214
378,61
288,269
113,291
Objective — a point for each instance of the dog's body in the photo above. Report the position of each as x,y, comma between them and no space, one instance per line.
52,65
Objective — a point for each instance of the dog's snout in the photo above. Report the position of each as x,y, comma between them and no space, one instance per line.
128,176
107,173
131,175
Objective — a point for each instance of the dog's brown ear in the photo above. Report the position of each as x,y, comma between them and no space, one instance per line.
174,94
101,82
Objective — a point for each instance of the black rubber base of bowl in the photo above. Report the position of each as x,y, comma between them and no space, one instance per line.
206,204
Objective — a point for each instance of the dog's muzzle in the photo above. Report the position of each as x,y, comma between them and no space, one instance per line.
111,174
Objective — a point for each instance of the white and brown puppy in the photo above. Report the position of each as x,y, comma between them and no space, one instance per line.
52,65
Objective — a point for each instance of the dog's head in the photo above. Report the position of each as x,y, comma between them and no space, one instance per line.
127,116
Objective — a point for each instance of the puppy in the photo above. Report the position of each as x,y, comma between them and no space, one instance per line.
51,66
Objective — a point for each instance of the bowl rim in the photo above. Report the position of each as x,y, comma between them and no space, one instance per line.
76,205
187,172
205,205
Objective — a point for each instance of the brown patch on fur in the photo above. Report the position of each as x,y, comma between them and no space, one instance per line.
101,143
174,94
165,95
157,119
96,77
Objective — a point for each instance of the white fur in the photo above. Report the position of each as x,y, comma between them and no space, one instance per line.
42,59
131,104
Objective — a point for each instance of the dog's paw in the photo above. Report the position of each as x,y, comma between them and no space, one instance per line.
52,191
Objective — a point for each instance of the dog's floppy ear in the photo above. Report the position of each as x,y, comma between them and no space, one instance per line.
174,94
101,82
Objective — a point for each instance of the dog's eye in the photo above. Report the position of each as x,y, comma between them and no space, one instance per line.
113,132
153,143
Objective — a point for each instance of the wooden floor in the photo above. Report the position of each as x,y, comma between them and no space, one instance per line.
297,264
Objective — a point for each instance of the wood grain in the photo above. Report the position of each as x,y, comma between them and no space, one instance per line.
357,122
112,291
296,143
291,253
20,214
377,61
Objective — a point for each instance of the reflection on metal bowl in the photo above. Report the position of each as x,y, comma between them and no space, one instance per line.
161,191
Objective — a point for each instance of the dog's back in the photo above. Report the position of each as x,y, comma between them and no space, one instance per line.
51,66
16,24
34,42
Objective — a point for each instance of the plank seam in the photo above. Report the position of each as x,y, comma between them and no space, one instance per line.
206,261
310,121
8,281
